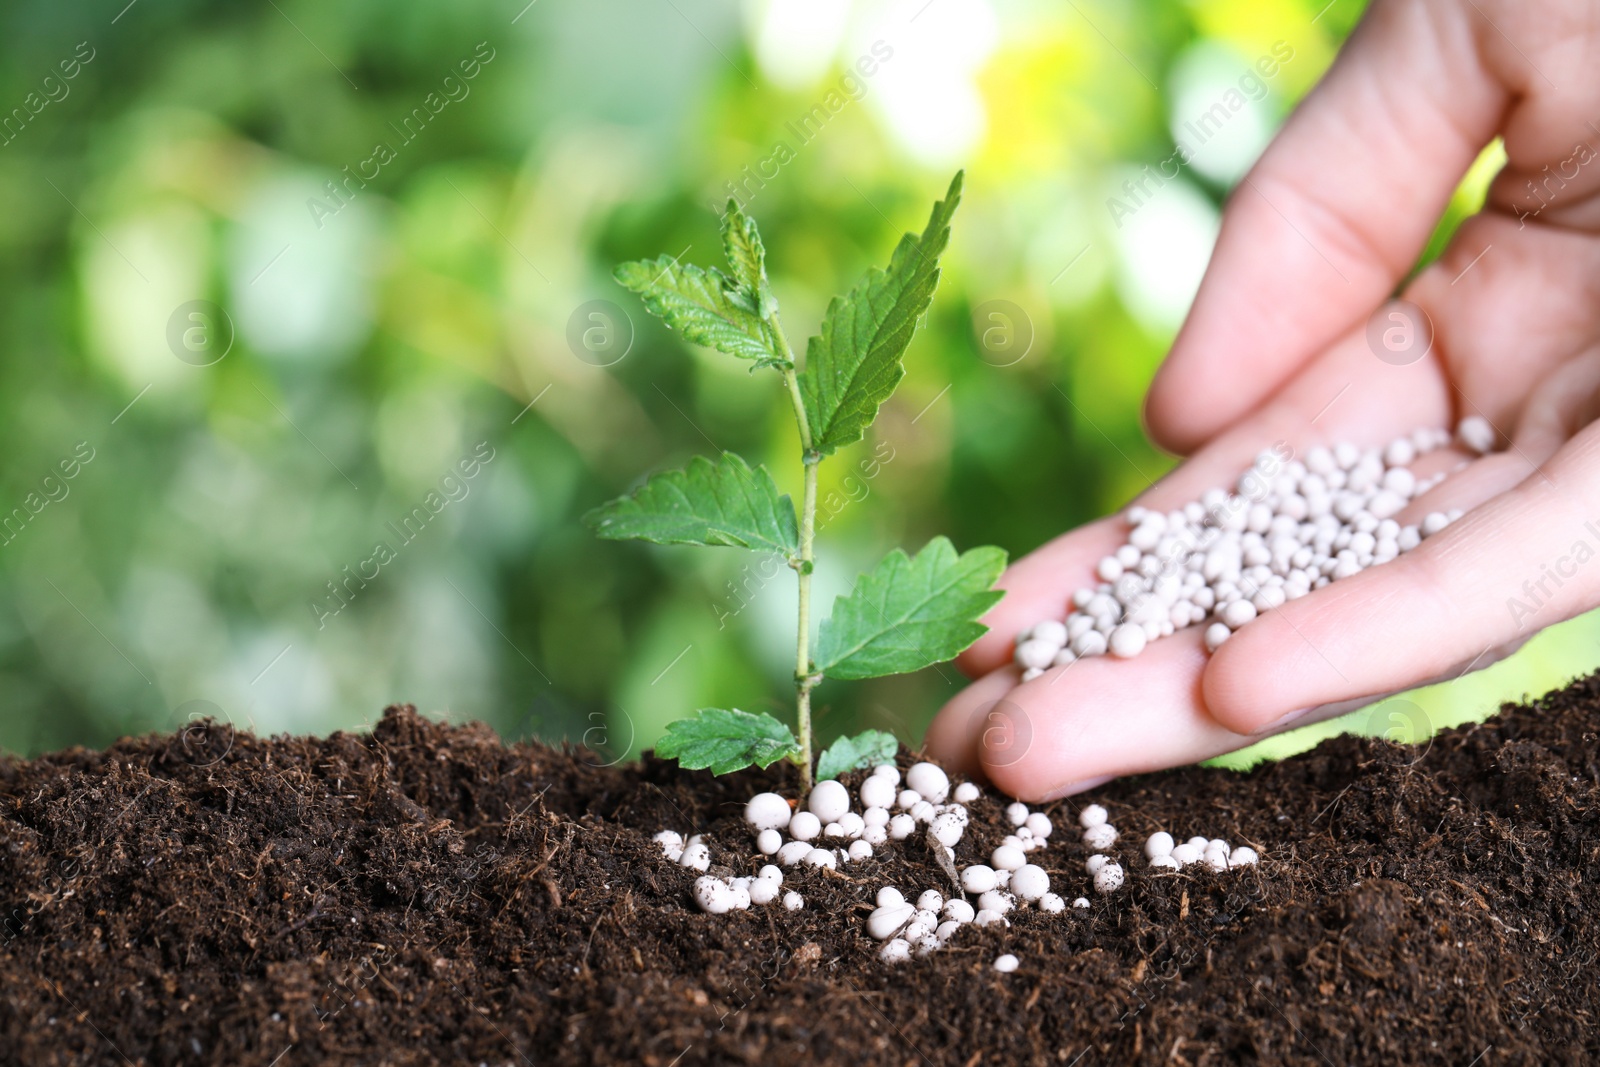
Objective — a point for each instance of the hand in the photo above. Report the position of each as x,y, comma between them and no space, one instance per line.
1313,241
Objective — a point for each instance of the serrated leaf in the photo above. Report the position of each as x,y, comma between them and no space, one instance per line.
726,740
747,258
910,612
701,304
862,750
853,365
721,503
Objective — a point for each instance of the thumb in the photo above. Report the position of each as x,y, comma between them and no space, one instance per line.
1331,217
1523,560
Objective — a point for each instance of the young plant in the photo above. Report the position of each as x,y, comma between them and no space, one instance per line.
908,612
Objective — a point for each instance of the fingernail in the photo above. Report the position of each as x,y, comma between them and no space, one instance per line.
1075,787
1279,724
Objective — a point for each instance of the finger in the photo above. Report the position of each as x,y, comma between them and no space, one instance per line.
953,736
1564,402
1331,217
1346,395
1082,725
1516,563
1079,725
1501,288
1048,737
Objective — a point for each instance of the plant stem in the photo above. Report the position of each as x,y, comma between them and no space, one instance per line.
804,679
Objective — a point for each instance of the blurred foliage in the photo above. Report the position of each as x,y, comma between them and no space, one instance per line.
403,212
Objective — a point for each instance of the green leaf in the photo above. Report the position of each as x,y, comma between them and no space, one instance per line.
721,503
862,750
701,304
726,740
748,259
853,365
908,613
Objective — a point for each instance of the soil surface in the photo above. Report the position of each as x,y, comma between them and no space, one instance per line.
426,894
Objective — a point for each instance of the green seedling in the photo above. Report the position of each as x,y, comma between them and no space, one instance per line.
908,612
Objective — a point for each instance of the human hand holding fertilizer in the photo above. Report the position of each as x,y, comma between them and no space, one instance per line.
1242,594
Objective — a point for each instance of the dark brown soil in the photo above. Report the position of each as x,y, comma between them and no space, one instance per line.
427,895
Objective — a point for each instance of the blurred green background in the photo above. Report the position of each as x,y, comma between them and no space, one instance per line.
278,270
